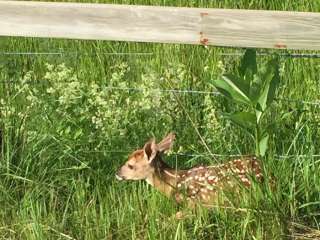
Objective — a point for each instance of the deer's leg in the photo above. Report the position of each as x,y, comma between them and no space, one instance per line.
189,206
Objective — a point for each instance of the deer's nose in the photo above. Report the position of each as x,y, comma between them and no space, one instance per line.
119,177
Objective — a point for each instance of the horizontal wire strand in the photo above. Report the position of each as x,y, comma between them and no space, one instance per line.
215,154
77,53
179,91
236,54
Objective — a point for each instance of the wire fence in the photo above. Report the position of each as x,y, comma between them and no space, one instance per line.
170,91
162,91
176,91
207,155
197,92
135,54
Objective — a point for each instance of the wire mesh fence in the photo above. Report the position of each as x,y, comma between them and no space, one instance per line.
161,91
170,91
138,54
207,155
189,92
127,54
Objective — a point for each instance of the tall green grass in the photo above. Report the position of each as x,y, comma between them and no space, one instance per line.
57,170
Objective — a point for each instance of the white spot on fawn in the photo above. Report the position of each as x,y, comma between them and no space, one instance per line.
189,179
204,190
210,178
204,196
201,179
245,180
210,188
259,175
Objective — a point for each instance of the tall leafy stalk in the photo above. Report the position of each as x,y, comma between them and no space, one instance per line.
253,87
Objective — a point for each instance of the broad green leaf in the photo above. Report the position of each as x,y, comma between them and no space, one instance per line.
239,83
255,88
248,65
248,70
258,112
274,83
243,119
262,100
244,84
263,145
231,87
267,92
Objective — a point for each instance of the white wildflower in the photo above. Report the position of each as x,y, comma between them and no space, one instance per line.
50,90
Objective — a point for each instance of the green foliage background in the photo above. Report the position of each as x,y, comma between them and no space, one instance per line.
64,133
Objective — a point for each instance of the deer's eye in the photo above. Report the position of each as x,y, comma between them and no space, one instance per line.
130,166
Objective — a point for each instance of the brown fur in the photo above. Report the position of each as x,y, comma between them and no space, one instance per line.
202,184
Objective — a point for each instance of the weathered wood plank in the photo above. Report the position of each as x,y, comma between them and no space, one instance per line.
220,27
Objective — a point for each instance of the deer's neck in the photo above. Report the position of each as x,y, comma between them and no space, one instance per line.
164,178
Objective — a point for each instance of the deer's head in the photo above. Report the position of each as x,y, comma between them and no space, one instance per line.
141,163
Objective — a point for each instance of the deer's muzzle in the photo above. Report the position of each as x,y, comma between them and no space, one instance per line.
119,177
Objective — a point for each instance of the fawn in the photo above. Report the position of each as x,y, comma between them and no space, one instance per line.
203,184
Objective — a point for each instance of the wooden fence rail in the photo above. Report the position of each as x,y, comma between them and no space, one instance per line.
219,27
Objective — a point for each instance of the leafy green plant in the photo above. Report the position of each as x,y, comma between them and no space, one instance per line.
254,88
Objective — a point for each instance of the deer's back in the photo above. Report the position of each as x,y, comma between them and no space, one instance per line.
206,183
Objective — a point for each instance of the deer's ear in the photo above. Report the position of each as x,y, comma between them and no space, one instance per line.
150,150
166,143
